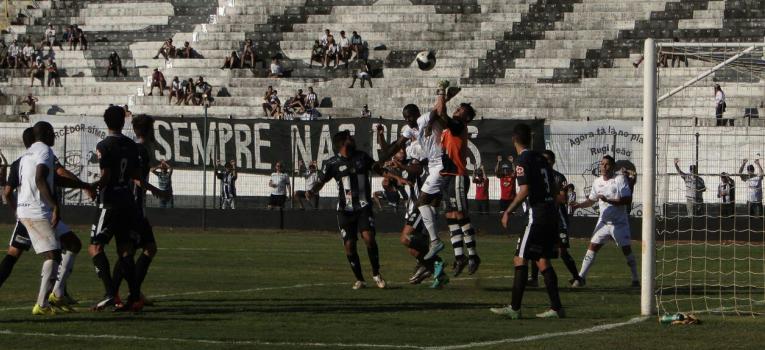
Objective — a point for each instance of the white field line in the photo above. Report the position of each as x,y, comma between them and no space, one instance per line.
525,339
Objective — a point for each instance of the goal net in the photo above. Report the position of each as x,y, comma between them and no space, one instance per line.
709,249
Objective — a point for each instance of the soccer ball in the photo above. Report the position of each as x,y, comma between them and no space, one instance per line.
426,60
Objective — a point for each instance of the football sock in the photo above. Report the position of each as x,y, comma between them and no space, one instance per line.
353,259
374,258
142,268
551,284
102,270
456,237
128,273
428,214
589,258
64,271
519,285
6,266
534,271
568,260
117,276
47,279
469,235
633,266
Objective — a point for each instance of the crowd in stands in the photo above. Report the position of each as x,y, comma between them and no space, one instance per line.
299,106
185,91
168,51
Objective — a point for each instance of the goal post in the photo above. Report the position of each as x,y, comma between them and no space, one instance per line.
703,248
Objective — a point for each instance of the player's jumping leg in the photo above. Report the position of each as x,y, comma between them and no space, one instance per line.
428,214
455,231
468,232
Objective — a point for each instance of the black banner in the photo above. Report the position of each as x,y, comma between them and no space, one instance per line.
256,144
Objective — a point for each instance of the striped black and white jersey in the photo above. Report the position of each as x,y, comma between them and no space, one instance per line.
352,177
227,184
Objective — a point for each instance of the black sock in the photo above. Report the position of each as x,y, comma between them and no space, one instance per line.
142,268
374,258
101,264
468,236
117,276
534,271
455,233
128,271
519,286
6,266
353,259
568,260
551,283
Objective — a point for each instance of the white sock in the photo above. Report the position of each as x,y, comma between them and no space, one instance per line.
632,263
428,214
589,258
47,280
469,238
64,270
456,238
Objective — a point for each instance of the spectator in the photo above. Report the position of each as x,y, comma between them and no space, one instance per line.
73,38
754,182
187,88
14,54
275,105
248,54
187,51
694,189
679,58
175,91
481,190
362,75
227,176
720,106
83,39
392,193
312,100
570,197
202,93
49,38
324,39
365,112
37,72
297,103
232,61
506,176
32,102
311,178
344,44
115,65
267,101
167,50
280,186
357,44
726,191
29,54
158,80
332,53
66,36
53,76
164,174
317,54
277,71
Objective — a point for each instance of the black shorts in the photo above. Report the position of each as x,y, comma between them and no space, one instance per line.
20,237
351,223
120,223
455,189
277,200
540,236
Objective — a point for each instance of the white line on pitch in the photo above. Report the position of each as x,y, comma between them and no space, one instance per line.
530,338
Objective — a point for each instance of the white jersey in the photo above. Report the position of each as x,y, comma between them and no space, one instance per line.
281,181
613,189
413,148
431,144
755,188
30,204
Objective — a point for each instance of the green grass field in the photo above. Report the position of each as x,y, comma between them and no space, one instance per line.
227,289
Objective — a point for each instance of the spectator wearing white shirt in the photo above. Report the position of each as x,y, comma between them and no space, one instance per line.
726,191
694,189
332,53
175,90
720,106
28,53
754,182
277,71
324,39
345,47
49,38
280,186
312,101
363,75
311,176
14,51
365,112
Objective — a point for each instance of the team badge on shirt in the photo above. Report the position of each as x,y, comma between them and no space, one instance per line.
519,171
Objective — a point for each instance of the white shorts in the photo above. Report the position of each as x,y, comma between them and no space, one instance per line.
619,232
434,181
43,237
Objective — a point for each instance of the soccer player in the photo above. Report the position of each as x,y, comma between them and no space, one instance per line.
562,208
456,185
228,177
118,211
537,192
754,182
39,214
350,169
143,127
612,193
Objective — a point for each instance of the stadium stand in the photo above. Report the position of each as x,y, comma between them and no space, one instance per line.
552,59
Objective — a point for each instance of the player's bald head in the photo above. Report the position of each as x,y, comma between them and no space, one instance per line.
28,137
43,132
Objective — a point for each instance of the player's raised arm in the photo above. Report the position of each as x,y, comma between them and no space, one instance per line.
759,167
677,167
743,165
